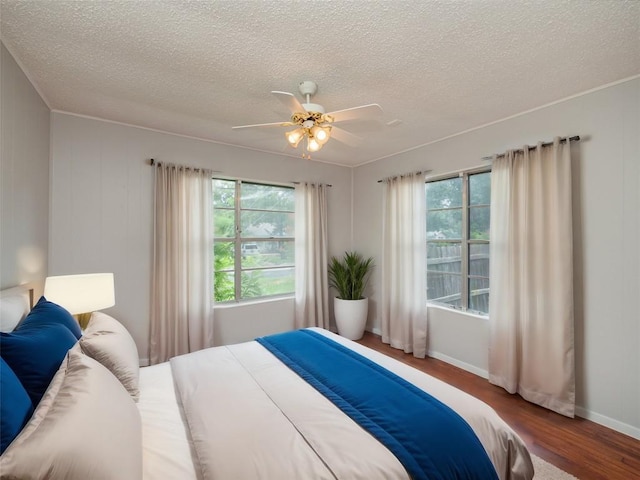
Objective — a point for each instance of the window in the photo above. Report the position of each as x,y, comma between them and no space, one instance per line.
458,241
254,240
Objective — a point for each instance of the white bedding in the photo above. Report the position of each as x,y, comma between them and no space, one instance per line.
166,452
251,417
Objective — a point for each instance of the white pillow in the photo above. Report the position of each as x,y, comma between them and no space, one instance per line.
13,309
85,426
108,341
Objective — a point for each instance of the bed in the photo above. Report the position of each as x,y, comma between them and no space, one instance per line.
232,412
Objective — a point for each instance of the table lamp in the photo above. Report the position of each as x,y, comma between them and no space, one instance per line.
81,294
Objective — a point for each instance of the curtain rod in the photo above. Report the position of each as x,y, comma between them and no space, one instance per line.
545,144
326,184
419,172
152,162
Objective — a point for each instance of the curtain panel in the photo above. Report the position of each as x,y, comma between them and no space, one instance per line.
404,263
312,284
531,349
182,282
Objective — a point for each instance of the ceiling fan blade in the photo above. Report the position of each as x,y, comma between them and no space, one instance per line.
355,113
276,124
345,137
289,101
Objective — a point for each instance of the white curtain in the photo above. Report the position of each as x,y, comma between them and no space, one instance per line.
182,283
312,286
404,263
531,302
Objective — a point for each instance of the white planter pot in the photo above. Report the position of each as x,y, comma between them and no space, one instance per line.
351,317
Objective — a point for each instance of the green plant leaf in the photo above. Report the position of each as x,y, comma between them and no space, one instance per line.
350,275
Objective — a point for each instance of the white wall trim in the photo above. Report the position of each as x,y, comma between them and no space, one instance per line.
580,411
587,92
608,422
191,137
447,359
460,364
457,311
257,301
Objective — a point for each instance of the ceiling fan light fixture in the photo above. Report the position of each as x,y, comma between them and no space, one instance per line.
294,136
310,120
321,134
313,145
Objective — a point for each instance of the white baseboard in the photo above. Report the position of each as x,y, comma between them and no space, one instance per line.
453,361
611,423
580,411
458,363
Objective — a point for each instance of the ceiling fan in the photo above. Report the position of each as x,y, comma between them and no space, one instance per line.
311,121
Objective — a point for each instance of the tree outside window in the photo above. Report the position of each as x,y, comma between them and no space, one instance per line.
254,240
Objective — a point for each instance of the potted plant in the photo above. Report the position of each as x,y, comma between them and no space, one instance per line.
349,276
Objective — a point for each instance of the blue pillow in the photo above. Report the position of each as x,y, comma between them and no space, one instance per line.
15,406
49,313
35,354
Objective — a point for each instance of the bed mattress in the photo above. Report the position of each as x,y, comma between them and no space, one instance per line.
238,412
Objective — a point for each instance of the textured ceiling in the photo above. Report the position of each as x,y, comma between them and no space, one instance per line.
199,67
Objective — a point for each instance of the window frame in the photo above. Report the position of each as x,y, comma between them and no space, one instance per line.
238,240
465,241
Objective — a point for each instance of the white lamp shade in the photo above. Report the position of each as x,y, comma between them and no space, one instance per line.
81,293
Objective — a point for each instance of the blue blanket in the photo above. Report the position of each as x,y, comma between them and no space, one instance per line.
430,440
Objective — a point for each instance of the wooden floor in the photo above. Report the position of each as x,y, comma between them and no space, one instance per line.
585,449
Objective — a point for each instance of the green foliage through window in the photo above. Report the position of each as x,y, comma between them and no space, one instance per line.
458,219
254,240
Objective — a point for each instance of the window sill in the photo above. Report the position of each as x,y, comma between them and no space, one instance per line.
457,310
257,301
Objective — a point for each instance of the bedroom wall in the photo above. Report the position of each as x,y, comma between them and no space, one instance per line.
606,243
100,220
24,177
101,213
